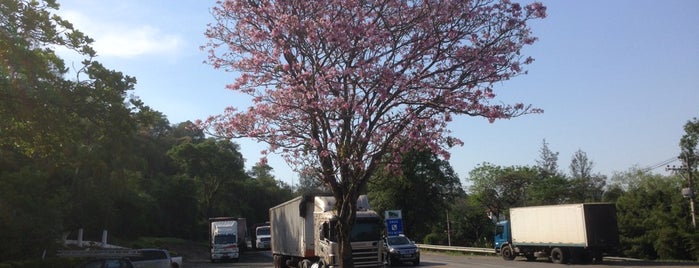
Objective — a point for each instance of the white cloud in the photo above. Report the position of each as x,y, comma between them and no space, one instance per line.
133,42
124,39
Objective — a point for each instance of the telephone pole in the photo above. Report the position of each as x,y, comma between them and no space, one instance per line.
689,191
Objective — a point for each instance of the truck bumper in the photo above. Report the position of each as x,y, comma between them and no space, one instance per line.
225,256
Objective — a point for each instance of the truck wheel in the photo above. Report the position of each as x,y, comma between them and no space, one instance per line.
558,256
507,253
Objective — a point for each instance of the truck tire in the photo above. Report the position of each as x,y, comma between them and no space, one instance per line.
508,253
558,255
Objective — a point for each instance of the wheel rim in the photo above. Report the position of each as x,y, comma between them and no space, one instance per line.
507,253
557,255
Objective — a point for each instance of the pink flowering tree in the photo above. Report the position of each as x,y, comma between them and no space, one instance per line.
341,88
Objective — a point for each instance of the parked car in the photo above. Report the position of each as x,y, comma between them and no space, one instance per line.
401,249
155,258
107,263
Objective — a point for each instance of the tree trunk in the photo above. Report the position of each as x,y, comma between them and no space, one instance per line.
347,213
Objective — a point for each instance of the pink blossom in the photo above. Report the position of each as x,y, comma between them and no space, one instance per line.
338,81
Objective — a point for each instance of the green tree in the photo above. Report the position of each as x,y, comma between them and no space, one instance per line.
585,186
551,186
77,133
548,161
689,157
470,223
264,191
500,188
423,191
219,171
654,220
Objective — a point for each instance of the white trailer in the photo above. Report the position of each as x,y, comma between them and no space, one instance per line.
303,233
577,233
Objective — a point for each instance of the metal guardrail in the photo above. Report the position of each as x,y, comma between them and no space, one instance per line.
460,249
99,253
492,251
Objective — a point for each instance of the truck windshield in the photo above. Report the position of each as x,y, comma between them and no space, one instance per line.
263,231
224,239
366,231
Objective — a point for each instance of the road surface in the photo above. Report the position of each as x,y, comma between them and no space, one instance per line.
436,260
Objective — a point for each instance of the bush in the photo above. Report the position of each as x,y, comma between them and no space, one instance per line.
432,239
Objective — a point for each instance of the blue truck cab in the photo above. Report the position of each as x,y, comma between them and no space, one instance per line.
502,235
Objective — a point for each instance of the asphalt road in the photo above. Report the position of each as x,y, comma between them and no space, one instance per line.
434,260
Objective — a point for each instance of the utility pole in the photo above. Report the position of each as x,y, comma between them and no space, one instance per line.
448,230
689,191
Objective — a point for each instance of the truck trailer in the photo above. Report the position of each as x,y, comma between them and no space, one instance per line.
303,233
227,238
574,233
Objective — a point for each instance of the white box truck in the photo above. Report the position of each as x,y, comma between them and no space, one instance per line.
227,237
577,233
303,233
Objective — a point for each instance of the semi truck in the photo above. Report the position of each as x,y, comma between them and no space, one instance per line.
227,238
573,233
304,234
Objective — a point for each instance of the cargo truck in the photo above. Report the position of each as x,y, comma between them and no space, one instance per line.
303,233
227,237
574,233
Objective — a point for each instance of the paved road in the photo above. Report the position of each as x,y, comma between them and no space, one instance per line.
435,260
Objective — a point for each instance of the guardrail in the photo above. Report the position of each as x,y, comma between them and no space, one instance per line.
492,251
460,249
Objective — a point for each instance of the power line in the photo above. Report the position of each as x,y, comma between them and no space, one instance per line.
661,164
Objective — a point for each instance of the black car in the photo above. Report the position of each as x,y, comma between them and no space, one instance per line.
400,249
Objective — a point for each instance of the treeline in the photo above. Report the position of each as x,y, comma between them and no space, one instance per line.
654,217
77,151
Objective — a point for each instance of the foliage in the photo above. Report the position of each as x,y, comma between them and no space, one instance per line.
500,188
340,87
423,177
585,186
654,220
548,161
470,224
688,143
78,153
218,169
263,192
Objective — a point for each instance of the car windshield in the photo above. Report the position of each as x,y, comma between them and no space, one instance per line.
398,240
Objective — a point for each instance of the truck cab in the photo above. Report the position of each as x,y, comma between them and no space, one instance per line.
262,237
367,245
502,235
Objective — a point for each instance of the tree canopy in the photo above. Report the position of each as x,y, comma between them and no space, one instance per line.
341,87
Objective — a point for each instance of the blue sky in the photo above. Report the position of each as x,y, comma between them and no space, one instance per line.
616,79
